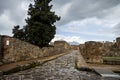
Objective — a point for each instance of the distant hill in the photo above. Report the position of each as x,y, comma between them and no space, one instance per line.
74,43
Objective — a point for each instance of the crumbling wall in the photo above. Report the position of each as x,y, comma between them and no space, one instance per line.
61,44
92,51
74,47
111,49
15,50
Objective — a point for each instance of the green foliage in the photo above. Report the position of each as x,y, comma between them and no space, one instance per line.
111,58
18,33
40,28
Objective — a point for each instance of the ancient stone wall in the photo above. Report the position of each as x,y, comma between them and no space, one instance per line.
111,49
15,50
92,51
74,47
61,44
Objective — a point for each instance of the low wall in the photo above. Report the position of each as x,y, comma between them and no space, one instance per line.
74,47
15,50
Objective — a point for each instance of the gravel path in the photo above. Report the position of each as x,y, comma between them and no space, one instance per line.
62,68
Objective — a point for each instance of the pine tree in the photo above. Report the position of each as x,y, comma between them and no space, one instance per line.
40,28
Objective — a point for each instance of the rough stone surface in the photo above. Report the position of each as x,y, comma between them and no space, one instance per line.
62,68
74,47
61,44
15,50
92,51
112,49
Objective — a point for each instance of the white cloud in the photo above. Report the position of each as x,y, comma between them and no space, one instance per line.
4,18
68,38
80,9
113,14
81,20
90,26
12,13
6,24
76,39
116,29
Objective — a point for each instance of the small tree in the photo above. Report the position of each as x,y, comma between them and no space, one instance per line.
40,28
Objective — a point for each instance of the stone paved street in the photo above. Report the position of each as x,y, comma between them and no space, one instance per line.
62,68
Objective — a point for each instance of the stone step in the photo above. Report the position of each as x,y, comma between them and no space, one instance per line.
107,73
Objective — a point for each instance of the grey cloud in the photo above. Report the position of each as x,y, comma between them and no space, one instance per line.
2,28
5,28
117,29
60,2
92,8
8,4
81,9
12,9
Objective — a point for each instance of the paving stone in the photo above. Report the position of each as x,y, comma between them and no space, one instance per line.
62,68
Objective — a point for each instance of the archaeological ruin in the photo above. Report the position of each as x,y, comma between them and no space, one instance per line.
57,61
93,51
14,50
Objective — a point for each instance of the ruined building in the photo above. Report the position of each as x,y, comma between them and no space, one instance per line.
92,51
112,49
61,44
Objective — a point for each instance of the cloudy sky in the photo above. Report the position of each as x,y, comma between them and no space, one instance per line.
81,20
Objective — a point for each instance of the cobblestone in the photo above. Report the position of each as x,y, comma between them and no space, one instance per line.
62,68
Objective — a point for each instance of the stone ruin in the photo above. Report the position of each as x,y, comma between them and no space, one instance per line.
112,49
15,50
74,47
92,51
61,44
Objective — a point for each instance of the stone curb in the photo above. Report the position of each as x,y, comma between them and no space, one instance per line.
35,63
